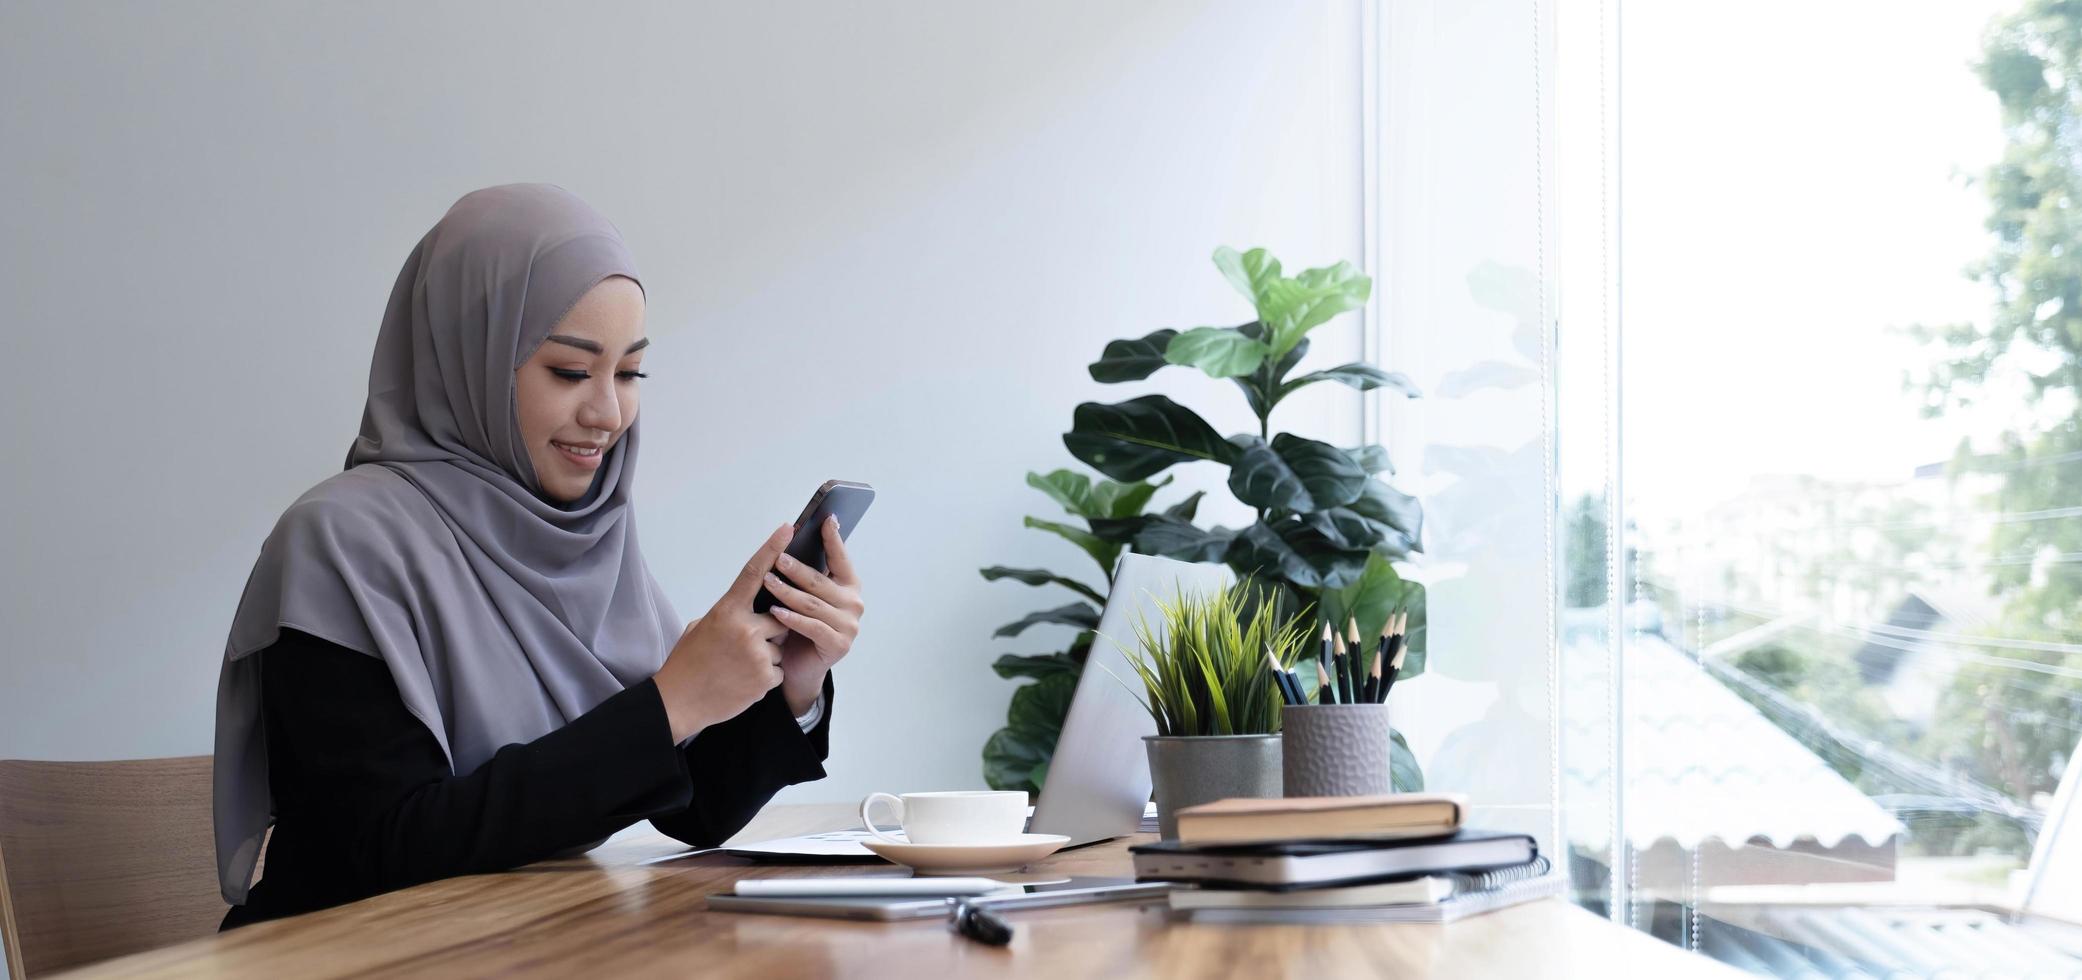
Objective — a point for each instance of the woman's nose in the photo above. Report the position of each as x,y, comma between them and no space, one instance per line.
601,409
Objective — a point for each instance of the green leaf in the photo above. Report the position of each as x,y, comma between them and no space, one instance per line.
1112,499
1286,363
1222,352
1364,377
1404,775
1372,459
1039,708
1038,665
1260,387
1347,530
1293,474
1041,576
1009,758
1372,598
1291,308
1069,488
1414,602
1075,614
1252,272
1292,551
1140,437
1132,360
1102,551
1180,539
1080,496
1396,510
1017,756
1118,529
1185,509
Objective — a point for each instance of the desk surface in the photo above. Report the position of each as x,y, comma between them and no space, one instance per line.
605,915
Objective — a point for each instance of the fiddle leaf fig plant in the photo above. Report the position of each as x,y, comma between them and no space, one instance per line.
1329,529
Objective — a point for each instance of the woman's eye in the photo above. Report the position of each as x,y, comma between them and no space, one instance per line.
574,376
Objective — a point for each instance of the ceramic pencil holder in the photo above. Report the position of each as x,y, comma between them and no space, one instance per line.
1334,750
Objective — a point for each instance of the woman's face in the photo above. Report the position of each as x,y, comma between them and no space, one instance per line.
577,394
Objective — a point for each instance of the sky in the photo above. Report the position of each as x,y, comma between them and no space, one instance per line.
1794,184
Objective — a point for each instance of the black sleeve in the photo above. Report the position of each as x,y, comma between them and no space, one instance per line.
737,766
365,801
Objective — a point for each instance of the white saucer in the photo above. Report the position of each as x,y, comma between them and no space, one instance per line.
965,859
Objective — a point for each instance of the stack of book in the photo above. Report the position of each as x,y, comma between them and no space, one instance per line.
1398,858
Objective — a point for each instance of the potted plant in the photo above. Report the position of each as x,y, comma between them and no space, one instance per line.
1206,682
1329,528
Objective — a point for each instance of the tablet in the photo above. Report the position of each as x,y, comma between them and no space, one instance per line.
889,908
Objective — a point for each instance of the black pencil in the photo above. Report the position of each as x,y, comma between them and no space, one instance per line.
1323,691
1397,646
1352,668
1328,693
1384,648
1288,694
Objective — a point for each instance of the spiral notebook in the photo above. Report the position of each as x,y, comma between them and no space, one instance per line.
1449,909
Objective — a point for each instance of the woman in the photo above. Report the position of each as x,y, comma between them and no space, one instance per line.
451,657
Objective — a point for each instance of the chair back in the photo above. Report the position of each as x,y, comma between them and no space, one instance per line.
100,859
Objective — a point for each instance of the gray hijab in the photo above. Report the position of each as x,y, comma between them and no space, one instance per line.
500,614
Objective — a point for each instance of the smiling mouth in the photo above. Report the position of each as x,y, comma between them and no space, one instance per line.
582,456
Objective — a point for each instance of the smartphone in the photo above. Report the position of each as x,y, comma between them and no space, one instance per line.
841,498
885,908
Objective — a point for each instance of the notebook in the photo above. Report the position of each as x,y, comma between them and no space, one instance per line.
1447,910
1429,890
1395,815
1308,864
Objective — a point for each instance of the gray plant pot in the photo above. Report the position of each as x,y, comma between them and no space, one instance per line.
1192,769
1335,749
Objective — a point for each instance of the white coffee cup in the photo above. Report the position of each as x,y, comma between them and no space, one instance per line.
956,817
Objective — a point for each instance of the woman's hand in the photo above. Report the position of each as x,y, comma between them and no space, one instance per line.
727,660
822,613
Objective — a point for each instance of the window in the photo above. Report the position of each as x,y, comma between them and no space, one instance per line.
1752,448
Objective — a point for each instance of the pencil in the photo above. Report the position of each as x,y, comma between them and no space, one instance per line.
1328,693
1279,677
1383,649
1398,644
1394,670
1323,691
1352,668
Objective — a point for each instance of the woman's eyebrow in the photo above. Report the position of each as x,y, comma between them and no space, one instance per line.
591,347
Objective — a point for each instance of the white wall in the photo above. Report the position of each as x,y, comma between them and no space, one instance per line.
880,242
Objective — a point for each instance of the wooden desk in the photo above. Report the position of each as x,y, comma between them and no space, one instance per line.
603,915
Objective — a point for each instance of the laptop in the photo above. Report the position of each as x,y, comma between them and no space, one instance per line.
1098,780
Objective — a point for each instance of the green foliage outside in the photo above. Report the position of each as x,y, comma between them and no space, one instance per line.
2012,715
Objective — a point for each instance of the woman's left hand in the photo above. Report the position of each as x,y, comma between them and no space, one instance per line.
822,613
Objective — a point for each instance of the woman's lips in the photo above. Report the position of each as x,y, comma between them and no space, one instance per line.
591,462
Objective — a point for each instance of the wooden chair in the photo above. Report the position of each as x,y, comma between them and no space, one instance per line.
99,859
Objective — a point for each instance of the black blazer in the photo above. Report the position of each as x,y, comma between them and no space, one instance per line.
365,802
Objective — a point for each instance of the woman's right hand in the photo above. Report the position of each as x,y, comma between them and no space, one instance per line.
727,660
